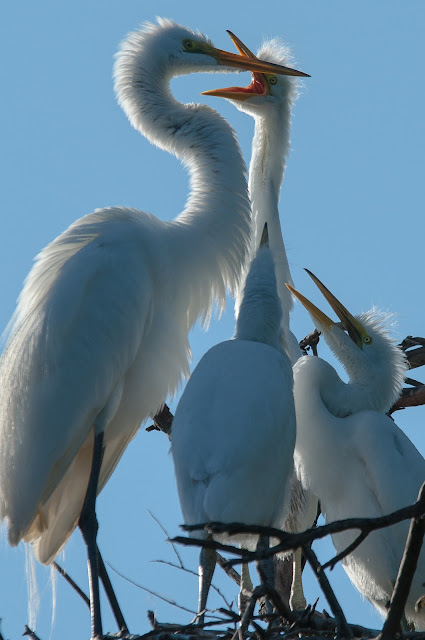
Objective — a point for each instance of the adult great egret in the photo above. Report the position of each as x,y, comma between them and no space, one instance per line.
269,99
234,428
356,458
100,333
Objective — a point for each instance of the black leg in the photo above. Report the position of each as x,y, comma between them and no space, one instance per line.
266,570
207,562
89,526
103,574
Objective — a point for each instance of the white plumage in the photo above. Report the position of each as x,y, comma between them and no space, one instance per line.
353,455
100,334
234,428
103,318
269,99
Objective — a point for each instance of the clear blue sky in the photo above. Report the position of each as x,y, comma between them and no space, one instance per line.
351,210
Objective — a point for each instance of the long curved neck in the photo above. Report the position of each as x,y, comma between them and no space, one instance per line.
209,240
316,378
270,148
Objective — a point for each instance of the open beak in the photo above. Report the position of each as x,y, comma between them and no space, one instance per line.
247,60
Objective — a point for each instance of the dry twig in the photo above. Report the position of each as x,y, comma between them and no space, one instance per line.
30,633
291,541
71,582
405,574
310,341
342,626
162,421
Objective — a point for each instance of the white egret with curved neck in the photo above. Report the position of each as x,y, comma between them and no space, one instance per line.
269,99
100,333
355,457
234,428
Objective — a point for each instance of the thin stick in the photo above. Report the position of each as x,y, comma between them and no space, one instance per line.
153,593
340,556
290,541
405,574
196,574
71,582
30,633
163,529
342,625
230,571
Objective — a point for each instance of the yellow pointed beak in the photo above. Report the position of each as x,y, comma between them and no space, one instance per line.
311,308
240,46
254,64
355,329
247,60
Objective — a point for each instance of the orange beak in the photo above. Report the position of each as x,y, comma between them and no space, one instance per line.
258,84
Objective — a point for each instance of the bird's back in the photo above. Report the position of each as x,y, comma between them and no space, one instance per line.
382,472
75,341
233,435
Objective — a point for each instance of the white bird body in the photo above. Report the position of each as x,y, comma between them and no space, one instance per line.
357,460
223,472
91,317
269,100
361,465
234,428
100,333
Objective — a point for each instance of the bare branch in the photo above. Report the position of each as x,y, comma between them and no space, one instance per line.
416,355
310,341
414,397
163,529
162,421
28,632
340,556
230,571
196,574
291,541
153,593
73,584
342,626
405,574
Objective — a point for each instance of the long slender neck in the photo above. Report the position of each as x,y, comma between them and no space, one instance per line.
270,148
259,313
316,378
209,240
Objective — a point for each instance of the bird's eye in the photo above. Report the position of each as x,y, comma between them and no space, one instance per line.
272,80
188,45
367,340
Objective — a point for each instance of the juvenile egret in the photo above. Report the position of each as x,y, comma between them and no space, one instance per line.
353,455
100,333
234,428
269,100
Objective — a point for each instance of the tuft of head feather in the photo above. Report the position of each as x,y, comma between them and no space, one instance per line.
275,50
379,367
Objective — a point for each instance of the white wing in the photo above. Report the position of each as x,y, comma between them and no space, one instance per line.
79,324
233,435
